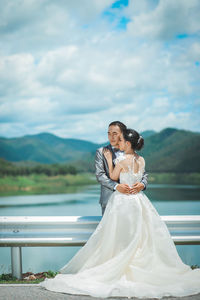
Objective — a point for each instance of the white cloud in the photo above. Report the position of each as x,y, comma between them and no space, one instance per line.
168,19
66,70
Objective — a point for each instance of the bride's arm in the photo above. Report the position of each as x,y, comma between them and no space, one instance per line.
113,172
140,186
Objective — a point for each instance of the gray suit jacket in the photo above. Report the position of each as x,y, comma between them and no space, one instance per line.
102,175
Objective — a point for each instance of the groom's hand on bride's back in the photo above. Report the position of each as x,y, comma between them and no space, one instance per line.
123,188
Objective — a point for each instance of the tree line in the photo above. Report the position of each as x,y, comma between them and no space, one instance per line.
8,168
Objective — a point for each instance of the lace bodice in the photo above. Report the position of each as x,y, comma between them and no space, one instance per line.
132,168
130,178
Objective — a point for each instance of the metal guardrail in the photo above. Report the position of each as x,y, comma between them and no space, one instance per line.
17,232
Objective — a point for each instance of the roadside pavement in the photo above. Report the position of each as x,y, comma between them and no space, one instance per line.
35,292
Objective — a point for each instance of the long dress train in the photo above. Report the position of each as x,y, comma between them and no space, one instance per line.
130,253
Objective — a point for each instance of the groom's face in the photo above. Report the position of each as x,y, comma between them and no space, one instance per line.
114,134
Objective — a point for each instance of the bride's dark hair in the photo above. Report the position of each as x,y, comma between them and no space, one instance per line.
132,136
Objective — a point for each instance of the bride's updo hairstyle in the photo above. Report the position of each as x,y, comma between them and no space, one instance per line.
136,140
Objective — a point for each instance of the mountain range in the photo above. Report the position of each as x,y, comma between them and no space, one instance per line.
170,150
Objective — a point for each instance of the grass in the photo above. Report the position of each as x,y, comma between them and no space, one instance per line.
43,184
9,279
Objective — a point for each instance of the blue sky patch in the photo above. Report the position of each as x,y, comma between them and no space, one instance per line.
120,3
182,36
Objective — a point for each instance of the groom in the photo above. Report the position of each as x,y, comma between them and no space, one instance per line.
108,186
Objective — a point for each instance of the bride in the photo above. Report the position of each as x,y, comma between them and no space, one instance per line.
131,252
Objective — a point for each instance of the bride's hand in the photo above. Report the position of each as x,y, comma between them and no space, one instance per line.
107,154
136,188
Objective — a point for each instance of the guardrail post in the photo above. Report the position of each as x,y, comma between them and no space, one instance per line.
16,262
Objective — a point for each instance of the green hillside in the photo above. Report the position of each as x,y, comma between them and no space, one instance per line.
44,148
147,133
170,150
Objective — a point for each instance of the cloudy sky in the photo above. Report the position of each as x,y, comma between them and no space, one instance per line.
71,67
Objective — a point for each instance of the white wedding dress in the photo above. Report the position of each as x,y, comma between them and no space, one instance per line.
130,254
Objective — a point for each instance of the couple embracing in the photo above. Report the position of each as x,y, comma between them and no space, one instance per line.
116,133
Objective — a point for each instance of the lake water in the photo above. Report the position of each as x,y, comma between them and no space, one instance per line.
167,199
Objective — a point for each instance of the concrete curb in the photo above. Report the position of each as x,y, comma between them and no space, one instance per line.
20,284
34,291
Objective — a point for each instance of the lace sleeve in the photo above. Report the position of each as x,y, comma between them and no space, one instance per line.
119,159
119,162
141,162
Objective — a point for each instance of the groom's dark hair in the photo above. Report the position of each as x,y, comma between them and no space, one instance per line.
121,125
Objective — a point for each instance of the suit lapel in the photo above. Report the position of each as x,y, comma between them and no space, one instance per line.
109,147
113,153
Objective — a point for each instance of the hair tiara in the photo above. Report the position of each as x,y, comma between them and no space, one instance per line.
139,139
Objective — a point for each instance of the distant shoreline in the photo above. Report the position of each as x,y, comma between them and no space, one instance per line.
43,184
174,178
